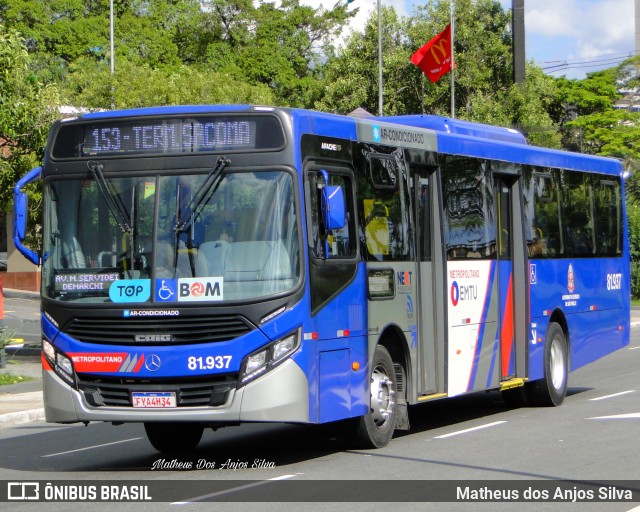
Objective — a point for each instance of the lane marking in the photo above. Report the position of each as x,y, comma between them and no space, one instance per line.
234,489
630,416
480,427
611,396
634,348
636,509
92,447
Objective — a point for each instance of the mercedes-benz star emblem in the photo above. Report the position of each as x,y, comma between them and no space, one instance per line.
152,363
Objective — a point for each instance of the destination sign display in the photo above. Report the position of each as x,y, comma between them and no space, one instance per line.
169,136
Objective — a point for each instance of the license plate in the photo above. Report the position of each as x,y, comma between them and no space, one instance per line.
154,400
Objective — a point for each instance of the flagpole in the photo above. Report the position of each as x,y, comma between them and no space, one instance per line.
453,69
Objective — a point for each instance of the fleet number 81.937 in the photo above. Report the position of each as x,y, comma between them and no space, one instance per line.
614,281
209,363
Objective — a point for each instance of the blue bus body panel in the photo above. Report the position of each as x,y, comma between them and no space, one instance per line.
328,125
591,299
335,337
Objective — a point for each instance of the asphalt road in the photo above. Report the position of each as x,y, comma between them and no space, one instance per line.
22,317
592,437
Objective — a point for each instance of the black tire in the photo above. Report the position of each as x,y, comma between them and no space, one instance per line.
552,388
375,429
174,437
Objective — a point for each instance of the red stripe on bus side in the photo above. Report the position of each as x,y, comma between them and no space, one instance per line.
506,337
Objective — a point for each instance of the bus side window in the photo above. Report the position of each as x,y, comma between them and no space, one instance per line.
546,239
608,216
470,223
330,243
577,214
384,208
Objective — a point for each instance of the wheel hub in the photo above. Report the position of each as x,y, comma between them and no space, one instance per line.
382,396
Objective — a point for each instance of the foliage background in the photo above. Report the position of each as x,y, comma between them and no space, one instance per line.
57,52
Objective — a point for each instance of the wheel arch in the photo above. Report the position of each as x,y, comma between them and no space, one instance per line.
559,318
395,341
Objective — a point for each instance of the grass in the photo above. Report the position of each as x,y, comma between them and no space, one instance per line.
5,379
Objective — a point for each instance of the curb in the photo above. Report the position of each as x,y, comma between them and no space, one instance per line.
20,417
13,293
23,350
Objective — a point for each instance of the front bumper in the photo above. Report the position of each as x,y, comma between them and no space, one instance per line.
281,395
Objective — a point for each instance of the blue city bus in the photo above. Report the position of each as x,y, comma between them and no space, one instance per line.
207,266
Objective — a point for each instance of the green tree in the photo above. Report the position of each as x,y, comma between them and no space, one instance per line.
599,124
352,75
27,109
484,89
139,85
286,48
239,45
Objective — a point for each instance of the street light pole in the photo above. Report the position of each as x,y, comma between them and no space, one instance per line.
111,35
113,64
452,16
380,85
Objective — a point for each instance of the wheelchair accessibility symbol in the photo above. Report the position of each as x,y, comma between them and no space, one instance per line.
166,290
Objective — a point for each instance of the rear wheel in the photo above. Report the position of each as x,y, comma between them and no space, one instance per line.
375,429
174,437
552,388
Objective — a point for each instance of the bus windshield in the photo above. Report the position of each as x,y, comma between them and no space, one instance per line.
170,238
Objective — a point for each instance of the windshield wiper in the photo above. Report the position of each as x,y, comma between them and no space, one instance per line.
117,208
202,196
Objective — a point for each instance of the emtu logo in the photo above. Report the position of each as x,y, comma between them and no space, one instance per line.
459,293
455,293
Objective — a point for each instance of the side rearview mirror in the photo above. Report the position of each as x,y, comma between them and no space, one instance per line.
20,211
333,212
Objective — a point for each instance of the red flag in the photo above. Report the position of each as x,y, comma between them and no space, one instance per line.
434,58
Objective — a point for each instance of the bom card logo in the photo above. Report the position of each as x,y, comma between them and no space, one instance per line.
207,289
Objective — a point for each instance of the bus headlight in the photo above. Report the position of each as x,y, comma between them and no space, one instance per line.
268,357
49,351
64,363
61,364
256,362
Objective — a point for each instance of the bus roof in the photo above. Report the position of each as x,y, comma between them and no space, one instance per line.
442,134
459,127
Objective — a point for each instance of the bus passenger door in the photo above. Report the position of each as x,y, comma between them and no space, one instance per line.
512,289
429,272
485,271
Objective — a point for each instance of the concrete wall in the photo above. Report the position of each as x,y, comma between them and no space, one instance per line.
21,274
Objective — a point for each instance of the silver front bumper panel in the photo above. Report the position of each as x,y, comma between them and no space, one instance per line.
282,395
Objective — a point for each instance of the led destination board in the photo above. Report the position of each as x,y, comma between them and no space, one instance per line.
168,135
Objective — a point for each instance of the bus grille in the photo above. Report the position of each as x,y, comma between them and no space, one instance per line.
109,392
158,331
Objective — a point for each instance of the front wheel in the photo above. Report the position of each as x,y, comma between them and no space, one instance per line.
174,437
375,429
552,388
